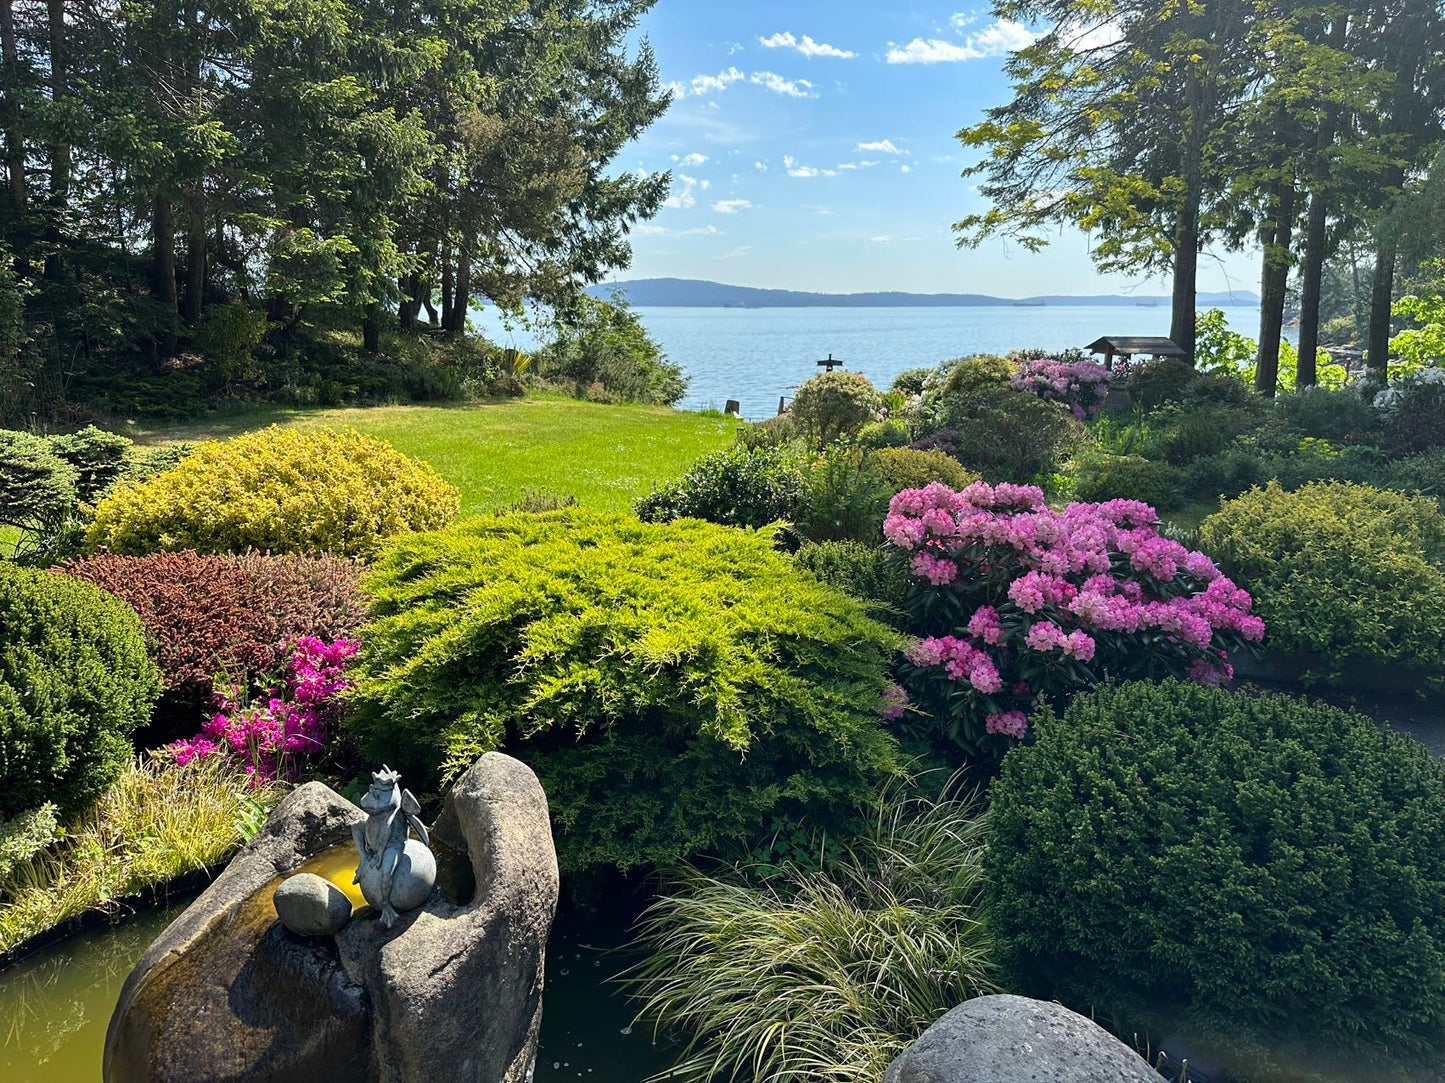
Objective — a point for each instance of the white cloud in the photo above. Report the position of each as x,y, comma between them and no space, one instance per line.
1083,39
858,165
732,206
691,159
882,238
797,169
793,88
807,46
648,230
997,39
706,84
904,169
882,146
682,196
761,167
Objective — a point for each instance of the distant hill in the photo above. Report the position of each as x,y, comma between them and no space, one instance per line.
696,293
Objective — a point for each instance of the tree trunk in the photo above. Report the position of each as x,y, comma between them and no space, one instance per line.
1312,279
1184,324
195,256
59,91
14,131
1274,286
410,288
1377,362
371,328
448,283
456,322
163,265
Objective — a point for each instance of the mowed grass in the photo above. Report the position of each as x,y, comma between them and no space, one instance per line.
496,453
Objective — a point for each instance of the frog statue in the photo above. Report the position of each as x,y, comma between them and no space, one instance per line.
396,871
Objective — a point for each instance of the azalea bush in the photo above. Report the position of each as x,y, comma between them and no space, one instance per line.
1021,605
1082,386
269,735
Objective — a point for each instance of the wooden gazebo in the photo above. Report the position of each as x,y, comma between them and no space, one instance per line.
1127,347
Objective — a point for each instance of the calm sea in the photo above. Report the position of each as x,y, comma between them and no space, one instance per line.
756,355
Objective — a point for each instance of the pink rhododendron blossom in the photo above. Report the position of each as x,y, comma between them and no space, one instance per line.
1008,723
1082,386
895,702
1094,583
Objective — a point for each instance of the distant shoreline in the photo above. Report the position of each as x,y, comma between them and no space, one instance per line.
696,293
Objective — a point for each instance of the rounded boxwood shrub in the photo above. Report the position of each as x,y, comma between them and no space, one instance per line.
75,680
835,404
279,490
1128,477
1252,862
912,468
1339,570
741,486
677,688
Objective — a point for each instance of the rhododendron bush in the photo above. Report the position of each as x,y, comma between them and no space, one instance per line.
269,734
1082,386
1025,604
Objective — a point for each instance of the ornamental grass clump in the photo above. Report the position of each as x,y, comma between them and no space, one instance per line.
1263,869
677,687
278,490
824,975
1019,605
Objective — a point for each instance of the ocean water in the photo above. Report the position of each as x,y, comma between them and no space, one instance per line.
756,355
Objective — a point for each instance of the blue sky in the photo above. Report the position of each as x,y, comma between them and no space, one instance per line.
812,147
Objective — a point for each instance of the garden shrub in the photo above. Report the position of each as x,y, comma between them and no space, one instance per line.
835,404
1082,386
75,680
224,616
279,490
1197,433
740,486
677,688
773,432
909,468
846,497
1423,474
911,382
38,488
98,457
1340,570
1128,477
1224,475
1262,864
871,573
25,836
603,352
1021,605
1413,411
1005,436
1340,416
890,432
1154,382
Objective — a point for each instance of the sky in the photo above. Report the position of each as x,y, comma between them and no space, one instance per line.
813,146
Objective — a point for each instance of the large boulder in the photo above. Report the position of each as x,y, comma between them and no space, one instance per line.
453,991
1010,1039
457,988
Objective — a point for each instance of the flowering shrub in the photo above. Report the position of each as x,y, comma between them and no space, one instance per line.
1082,386
1030,603
270,733
1414,411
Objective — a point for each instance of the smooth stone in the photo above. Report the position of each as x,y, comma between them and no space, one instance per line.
311,906
456,990
1012,1039
411,882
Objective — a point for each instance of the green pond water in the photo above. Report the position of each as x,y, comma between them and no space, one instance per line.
55,1005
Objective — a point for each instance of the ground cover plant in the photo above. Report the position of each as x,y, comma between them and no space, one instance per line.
1262,867
224,615
155,823
277,490
826,974
1019,605
607,456
1340,571
75,682
676,687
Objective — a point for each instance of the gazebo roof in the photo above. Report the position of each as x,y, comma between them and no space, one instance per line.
1132,345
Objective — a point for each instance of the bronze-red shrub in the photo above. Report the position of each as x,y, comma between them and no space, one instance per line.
225,614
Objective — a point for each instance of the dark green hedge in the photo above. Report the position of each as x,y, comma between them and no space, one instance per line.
1262,863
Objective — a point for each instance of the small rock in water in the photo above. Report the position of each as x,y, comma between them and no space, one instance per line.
311,906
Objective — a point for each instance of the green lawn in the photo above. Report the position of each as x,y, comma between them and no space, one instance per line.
605,456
